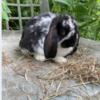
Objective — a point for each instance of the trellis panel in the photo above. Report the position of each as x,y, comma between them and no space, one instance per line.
43,6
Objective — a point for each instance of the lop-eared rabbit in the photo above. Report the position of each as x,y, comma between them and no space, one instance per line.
50,36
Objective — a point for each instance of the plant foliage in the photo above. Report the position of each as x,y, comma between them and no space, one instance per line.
5,10
86,12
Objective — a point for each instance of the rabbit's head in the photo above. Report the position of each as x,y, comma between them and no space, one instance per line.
62,28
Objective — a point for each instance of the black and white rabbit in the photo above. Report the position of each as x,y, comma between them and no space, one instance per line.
50,36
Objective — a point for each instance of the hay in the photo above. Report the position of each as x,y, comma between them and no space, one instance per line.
5,59
81,67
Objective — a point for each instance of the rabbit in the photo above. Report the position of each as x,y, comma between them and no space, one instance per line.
50,36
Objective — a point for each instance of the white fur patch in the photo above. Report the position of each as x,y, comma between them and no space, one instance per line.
60,60
39,57
64,23
31,26
45,21
68,36
71,23
68,22
77,36
52,15
38,49
64,51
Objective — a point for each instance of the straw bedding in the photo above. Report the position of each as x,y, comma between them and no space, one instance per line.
81,67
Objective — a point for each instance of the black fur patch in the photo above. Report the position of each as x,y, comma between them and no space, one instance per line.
69,42
30,39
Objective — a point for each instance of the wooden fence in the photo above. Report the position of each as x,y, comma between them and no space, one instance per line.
42,5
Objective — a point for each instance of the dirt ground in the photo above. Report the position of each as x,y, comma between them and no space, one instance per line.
24,78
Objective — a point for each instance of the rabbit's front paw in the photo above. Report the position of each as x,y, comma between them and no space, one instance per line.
60,60
39,57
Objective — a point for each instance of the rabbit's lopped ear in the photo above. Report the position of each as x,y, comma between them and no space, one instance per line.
50,43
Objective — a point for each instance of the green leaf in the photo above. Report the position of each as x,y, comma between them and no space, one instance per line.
5,10
65,2
5,16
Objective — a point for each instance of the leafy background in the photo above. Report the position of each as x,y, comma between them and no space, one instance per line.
86,12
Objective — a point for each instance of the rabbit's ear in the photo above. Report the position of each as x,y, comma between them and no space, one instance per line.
50,43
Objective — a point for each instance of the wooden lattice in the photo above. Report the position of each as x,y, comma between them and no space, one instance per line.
42,5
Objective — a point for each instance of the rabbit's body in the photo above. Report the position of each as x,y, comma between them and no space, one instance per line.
50,36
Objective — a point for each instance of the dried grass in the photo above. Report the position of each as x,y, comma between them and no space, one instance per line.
81,67
5,58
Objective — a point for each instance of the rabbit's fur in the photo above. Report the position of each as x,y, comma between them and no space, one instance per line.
50,36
